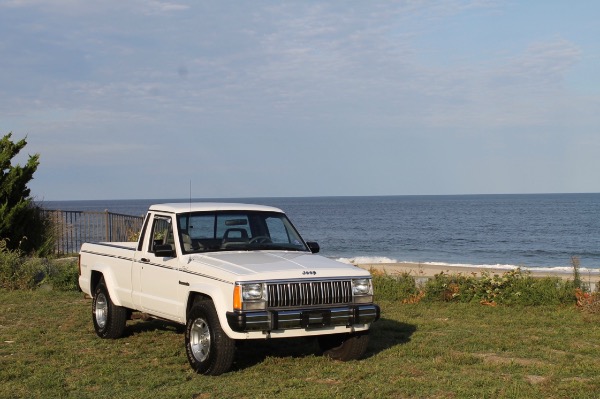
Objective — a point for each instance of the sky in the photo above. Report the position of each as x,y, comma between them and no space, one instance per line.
235,99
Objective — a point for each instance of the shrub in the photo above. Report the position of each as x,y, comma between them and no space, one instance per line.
448,288
63,275
540,291
513,287
400,287
19,272
506,288
589,302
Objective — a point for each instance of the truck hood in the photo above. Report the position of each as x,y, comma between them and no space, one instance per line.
273,265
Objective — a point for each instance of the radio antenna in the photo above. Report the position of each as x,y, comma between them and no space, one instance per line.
190,195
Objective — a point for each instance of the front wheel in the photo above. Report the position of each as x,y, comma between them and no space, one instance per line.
109,319
344,347
209,350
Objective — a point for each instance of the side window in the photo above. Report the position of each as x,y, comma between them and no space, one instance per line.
162,233
277,231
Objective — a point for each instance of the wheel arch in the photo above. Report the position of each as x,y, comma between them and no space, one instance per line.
204,292
193,298
95,278
97,274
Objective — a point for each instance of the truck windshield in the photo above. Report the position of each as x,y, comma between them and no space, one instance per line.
237,231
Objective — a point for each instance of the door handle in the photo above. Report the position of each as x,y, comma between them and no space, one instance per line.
145,260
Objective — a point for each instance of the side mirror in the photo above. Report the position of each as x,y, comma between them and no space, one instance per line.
313,246
164,250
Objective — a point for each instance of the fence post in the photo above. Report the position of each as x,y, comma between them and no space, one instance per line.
106,224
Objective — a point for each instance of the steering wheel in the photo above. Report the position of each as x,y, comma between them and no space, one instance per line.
260,240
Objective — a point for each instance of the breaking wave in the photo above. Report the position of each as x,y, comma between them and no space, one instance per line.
359,260
372,260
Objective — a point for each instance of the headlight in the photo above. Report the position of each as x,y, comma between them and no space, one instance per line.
362,286
251,296
252,292
362,290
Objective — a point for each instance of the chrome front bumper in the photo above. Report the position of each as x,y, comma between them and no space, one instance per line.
272,320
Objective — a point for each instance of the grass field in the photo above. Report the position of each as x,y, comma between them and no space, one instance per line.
48,349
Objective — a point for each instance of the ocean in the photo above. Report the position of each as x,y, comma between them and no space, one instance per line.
527,230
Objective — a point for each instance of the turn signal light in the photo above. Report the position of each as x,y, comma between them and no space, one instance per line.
237,297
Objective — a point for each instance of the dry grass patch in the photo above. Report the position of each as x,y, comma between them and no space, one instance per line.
493,358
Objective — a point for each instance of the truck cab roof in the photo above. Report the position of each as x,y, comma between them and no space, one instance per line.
181,207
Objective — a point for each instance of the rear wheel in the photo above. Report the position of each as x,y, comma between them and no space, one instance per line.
209,350
109,319
344,347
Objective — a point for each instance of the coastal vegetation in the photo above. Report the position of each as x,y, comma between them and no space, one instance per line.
23,225
514,287
19,271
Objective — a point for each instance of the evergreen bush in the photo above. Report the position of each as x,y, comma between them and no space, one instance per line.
22,222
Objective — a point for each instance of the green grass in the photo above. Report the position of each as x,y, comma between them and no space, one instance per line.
48,349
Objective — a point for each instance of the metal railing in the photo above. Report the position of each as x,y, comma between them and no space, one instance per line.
73,228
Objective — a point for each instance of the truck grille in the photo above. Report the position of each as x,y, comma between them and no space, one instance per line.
311,293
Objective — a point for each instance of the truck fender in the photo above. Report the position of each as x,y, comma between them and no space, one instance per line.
218,296
109,279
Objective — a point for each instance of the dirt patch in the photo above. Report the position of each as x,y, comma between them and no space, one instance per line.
535,379
493,358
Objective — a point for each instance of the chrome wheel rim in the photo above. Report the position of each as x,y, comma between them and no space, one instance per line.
200,339
101,310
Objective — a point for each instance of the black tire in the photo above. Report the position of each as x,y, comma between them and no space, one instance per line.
109,319
344,347
209,350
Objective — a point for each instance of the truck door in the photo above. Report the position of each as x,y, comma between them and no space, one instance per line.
159,273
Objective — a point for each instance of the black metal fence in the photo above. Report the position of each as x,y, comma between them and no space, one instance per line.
73,228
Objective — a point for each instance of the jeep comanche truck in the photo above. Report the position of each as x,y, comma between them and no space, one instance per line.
228,272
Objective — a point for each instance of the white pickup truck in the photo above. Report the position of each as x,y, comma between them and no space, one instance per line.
228,272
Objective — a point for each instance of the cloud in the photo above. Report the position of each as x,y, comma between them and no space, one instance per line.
162,6
527,89
543,64
298,59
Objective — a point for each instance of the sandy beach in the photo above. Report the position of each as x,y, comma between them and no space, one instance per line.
428,270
